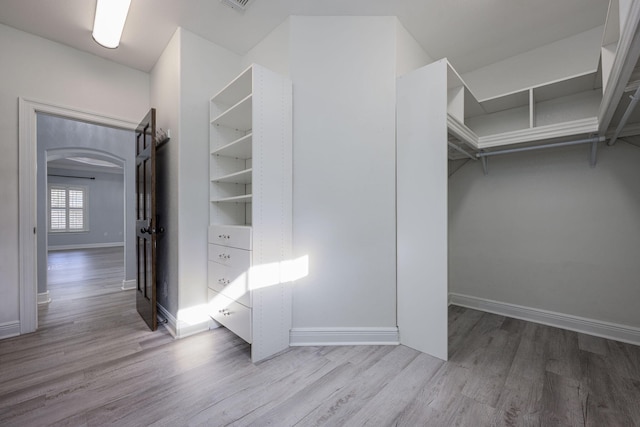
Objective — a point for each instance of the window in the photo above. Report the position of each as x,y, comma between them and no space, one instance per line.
67,208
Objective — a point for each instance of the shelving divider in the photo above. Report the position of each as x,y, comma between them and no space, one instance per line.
532,109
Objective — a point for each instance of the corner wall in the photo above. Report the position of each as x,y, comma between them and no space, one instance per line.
205,68
344,172
545,231
189,72
409,54
273,52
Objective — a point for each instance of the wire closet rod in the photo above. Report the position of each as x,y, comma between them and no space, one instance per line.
540,147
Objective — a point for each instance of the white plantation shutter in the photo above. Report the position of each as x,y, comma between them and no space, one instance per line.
76,209
58,204
67,208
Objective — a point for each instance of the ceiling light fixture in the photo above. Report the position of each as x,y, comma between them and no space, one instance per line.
109,21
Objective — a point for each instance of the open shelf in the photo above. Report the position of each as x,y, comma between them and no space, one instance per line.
241,177
506,102
562,88
568,108
556,109
235,91
500,122
245,198
240,148
238,116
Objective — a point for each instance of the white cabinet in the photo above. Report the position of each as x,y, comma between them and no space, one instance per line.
251,208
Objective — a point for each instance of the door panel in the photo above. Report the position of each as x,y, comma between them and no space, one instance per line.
146,219
422,280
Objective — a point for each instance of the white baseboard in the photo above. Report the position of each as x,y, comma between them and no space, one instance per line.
43,298
179,329
9,329
85,246
129,285
170,323
188,329
343,336
598,328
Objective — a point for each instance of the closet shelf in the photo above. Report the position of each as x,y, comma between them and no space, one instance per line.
240,148
241,177
245,198
237,117
537,133
557,109
235,91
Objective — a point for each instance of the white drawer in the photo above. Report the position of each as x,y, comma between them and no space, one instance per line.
230,282
232,257
236,236
234,316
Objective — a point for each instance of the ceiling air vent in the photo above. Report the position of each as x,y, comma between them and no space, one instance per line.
239,5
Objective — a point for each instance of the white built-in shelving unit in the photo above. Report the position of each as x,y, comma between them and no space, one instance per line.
553,110
576,106
250,209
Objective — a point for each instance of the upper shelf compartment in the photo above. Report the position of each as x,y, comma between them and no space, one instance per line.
237,90
556,109
239,148
237,117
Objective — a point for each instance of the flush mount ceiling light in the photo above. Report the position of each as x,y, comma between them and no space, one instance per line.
109,21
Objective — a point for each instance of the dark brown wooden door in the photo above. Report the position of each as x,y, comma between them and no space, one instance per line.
146,219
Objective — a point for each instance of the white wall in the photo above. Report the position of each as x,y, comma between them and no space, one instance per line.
544,230
189,71
165,97
272,51
409,54
39,69
565,58
205,68
343,72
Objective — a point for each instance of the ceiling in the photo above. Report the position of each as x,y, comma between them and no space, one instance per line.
83,162
471,33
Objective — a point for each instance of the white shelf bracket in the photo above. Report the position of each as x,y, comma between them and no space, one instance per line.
594,153
462,151
485,164
623,121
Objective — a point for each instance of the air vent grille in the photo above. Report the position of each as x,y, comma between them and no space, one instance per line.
239,5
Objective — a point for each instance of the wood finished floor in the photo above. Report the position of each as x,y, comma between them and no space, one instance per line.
93,362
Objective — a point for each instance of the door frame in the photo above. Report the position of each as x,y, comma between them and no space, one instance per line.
27,195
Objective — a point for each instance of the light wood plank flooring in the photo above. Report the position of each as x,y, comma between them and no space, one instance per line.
93,362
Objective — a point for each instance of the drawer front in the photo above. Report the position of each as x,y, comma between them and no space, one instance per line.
230,282
234,316
229,235
239,259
